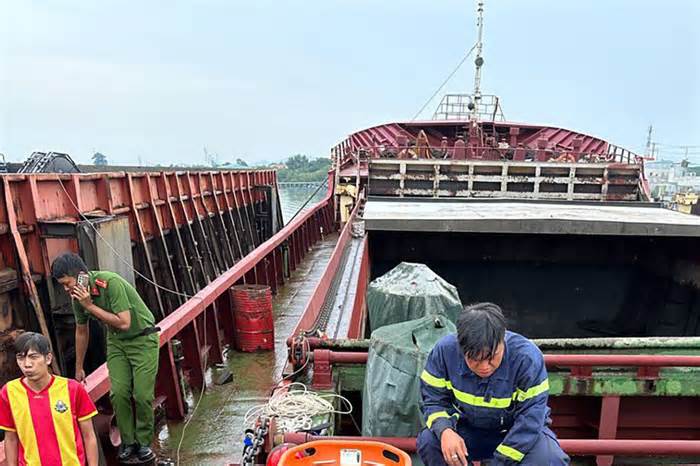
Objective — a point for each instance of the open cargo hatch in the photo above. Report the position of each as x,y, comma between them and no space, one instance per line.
559,269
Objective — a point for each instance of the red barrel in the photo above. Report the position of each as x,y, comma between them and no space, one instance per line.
252,307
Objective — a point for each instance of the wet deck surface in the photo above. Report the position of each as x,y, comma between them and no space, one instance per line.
215,434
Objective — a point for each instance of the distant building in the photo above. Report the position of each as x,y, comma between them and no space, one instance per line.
667,178
686,203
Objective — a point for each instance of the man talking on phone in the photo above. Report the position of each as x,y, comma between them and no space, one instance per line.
132,346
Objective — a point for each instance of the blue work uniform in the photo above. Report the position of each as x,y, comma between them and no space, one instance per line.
504,416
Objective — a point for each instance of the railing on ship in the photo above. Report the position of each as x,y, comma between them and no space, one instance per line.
622,155
505,153
474,178
459,107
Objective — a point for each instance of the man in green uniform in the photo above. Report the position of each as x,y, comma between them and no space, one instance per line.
132,346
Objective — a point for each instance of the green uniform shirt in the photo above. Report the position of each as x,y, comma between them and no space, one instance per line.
112,293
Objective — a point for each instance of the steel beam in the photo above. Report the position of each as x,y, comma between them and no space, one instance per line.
621,360
607,428
25,265
314,306
359,308
571,360
141,239
168,384
582,447
648,344
191,344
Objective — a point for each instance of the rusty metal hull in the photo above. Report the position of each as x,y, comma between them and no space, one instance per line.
180,230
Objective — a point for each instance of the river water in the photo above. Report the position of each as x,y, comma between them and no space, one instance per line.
293,198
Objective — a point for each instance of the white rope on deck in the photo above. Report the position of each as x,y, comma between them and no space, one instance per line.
296,408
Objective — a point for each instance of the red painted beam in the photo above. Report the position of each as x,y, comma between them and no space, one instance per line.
577,447
97,382
568,360
359,308
631,447
346,357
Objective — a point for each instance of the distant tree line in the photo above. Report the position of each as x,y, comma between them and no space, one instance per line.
299,167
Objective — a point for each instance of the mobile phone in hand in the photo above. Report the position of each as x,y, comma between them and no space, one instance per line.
83,280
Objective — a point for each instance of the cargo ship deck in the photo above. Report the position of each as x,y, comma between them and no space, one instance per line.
215,435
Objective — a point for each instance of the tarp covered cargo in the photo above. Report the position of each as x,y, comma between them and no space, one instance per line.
396,358
408,292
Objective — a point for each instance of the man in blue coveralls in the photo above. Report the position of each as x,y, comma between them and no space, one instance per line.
485,394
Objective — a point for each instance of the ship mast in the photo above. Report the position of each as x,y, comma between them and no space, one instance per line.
475,106
478,61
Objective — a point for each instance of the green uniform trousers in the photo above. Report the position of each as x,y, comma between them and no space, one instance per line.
132,366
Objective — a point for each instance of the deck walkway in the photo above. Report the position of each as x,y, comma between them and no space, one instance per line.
214,437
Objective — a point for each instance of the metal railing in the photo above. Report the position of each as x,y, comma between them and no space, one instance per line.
498,179
460,150
459,107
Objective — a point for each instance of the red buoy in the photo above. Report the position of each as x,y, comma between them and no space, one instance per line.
255,327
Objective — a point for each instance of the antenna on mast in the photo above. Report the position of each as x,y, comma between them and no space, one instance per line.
475,106
648,145
478,61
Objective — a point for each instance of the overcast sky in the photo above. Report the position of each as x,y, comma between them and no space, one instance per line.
265,79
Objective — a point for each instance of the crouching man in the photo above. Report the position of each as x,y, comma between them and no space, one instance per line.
485,396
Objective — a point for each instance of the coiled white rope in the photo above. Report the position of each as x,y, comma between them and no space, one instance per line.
296,408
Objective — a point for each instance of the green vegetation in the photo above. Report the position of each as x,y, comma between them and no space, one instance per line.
300,168
99,158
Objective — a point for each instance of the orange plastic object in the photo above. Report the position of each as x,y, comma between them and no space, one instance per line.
345,453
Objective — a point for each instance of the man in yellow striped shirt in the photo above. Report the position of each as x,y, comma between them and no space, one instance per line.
47,419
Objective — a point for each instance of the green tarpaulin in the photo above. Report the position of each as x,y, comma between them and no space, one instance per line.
407,292
397,355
